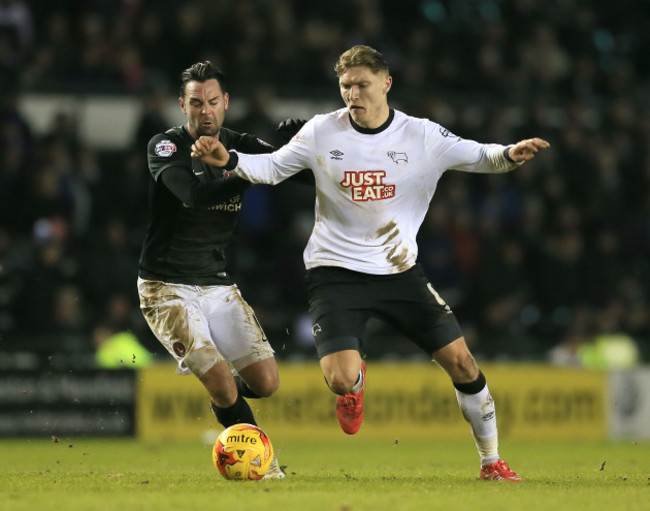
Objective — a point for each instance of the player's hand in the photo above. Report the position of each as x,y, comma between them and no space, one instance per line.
525,150
211,151
288,128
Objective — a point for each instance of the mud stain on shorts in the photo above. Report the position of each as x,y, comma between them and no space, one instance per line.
153,292
166,321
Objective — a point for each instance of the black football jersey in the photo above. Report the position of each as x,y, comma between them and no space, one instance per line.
193,209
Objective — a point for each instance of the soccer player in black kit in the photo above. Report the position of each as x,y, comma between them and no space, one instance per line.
187,295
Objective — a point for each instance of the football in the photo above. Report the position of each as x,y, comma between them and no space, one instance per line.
242,452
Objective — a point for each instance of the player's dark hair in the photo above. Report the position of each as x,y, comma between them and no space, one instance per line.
361,55
202,72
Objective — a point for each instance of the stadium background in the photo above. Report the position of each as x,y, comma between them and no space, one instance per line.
538,265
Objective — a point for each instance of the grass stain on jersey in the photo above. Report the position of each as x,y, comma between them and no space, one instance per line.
382,231
397,260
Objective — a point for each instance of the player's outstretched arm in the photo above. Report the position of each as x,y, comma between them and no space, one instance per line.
525,150
211,151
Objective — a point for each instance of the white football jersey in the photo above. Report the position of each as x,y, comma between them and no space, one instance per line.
373,187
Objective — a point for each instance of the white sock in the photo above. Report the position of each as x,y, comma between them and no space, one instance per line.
478,410
359,385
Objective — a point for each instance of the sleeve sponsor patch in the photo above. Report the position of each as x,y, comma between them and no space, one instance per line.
165,148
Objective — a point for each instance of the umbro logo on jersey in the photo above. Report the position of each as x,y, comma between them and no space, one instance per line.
398,157
445,132
336,155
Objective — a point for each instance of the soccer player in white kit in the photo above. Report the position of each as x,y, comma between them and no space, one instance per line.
376,171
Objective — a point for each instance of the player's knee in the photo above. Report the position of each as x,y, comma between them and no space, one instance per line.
222,397
266,384
463,368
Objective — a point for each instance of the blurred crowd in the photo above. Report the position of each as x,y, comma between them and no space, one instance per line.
537,264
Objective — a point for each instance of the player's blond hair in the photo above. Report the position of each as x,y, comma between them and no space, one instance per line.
361,55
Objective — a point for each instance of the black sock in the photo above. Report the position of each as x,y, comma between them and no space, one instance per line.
238,412
243,388
473,387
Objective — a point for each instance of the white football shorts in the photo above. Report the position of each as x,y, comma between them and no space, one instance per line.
202,325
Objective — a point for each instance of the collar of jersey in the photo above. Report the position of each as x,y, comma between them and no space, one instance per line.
187,133
372,131
190,137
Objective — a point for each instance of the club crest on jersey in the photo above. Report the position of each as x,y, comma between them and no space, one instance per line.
368,185
398,157
165,148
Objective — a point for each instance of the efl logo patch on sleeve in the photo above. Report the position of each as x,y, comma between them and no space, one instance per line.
165,148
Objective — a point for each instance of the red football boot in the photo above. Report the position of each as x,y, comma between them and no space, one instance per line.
349,408
499,471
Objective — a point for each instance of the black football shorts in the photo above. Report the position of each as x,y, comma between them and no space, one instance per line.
342,301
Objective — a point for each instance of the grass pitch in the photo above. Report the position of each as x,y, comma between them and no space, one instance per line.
336,473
